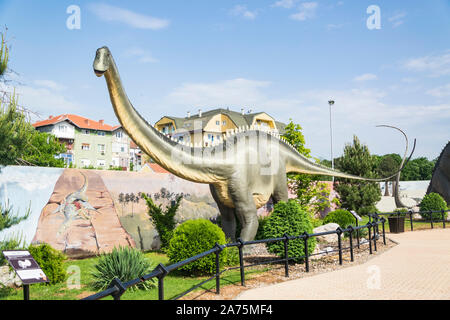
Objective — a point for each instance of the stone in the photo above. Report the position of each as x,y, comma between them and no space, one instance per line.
326,228
9,278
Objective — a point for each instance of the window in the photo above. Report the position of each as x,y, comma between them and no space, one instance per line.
62,128
85,146
101,149
217,123
85,131
101,163
224,122
122,149
101,133
119,134
85,162
218,137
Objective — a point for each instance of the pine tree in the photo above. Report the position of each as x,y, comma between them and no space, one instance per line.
357,195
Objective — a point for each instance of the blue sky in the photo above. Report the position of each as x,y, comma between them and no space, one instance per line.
284,57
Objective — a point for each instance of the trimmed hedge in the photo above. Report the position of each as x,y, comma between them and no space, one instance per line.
341,216
288,218
194,237
433,202
51,262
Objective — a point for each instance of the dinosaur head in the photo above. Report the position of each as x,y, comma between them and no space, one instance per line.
101,61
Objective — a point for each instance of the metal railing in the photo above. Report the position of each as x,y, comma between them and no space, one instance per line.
410,213
117,288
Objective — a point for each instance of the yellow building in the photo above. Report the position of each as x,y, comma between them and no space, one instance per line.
207,128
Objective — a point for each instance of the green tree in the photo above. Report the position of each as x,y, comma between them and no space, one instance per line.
20,143
387,167
418,169
312,195
164,221
357,195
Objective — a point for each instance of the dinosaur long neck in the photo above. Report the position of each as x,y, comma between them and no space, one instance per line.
161,149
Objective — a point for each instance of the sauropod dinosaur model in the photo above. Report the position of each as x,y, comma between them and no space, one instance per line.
243,171
440,179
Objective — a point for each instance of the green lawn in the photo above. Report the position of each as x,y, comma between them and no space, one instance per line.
174,284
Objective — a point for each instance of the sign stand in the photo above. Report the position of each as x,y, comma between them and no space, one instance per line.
26,268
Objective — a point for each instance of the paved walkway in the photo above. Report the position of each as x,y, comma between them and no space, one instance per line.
417,268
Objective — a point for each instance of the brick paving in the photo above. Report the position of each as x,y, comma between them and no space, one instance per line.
416,269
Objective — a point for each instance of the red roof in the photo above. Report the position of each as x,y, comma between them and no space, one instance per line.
80,122
156,167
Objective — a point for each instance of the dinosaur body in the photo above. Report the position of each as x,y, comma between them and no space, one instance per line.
440,179
243,171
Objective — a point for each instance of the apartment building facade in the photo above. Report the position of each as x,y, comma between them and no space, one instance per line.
89,143
208,128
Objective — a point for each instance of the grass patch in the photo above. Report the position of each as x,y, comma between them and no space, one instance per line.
174,284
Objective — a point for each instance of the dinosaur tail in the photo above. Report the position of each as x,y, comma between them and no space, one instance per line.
300,164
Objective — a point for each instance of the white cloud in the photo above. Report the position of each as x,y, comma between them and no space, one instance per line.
434,65
242,11
50,85
440,92
136,20
397,19
356,111
141,55
235,92
285,4
365,77
44,97
306,10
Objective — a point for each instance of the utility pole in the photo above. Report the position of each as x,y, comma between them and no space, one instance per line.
331,103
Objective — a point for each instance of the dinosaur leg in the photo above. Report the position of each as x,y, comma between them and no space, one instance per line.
228,217
280,192
245,209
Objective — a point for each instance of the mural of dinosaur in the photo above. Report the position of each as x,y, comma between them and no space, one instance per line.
440,179
244,171
74,206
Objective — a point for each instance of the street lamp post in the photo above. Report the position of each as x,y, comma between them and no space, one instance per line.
330,103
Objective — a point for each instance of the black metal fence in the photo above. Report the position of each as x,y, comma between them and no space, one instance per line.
117,288
410,213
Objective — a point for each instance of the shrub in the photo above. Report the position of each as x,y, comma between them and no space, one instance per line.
289,218
51,262
433,202
194,237
124,263
164,221
342,217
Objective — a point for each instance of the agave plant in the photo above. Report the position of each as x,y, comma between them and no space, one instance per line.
124,263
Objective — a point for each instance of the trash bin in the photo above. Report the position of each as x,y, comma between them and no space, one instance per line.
396,224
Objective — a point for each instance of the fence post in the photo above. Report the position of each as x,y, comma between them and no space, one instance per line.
383,220
306,236
351,242
375,235
411,219
339,232
161,276
357,234
218,251
241,261
443,218
369,226
286,256
431,219
119,285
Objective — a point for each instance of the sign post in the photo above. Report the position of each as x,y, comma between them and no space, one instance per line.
26,268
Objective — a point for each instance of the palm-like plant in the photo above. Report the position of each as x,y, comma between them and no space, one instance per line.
124,263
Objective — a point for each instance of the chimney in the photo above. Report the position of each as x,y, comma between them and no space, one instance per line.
101,122
188,114
86,121
199,113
